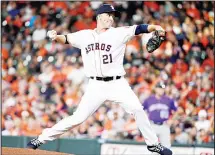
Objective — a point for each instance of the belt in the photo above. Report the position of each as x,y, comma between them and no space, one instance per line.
108,78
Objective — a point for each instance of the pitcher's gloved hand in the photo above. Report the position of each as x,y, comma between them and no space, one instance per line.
155,41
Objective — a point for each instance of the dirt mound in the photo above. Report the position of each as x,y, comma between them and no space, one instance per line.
25,151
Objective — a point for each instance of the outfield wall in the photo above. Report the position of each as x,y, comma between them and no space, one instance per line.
102,147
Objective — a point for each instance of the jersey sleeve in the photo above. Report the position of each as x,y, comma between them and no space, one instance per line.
173,105
76,38
145,105
127,32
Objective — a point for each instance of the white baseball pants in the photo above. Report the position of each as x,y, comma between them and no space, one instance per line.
163,132
96,93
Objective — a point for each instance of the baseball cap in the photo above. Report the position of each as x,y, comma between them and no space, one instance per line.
160,85
107,8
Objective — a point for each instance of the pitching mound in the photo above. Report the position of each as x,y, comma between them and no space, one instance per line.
25,151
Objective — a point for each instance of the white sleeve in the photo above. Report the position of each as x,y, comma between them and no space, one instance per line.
76,38
127,32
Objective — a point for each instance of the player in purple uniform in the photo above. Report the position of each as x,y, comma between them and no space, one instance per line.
159,108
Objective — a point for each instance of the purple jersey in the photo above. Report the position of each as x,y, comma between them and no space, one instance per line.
159,110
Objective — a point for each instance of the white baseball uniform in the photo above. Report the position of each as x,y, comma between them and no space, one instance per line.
102,56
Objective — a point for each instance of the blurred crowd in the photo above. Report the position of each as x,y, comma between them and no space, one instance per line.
43,81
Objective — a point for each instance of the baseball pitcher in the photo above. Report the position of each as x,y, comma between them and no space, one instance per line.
102,51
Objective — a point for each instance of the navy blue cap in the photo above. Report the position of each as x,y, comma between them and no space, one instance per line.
107,8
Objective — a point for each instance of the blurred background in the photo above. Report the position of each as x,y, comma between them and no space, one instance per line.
43,81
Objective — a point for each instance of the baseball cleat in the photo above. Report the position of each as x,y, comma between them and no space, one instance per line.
159,149
34,144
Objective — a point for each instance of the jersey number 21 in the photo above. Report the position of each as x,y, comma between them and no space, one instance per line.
107,59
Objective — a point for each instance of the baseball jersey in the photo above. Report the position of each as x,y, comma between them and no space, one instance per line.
102,54
159,110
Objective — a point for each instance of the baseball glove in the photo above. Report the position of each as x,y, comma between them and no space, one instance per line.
155,41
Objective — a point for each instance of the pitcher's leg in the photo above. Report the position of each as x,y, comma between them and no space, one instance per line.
150,137
129,101
65,124
145,127
90,102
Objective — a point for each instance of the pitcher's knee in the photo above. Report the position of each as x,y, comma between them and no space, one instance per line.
69,122
76,120
139,111
138,107
135,110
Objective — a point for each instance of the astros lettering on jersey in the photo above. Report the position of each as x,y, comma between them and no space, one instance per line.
103,53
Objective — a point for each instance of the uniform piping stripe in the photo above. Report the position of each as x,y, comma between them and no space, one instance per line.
95,55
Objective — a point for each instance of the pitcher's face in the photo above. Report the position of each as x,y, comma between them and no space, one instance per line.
106,19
